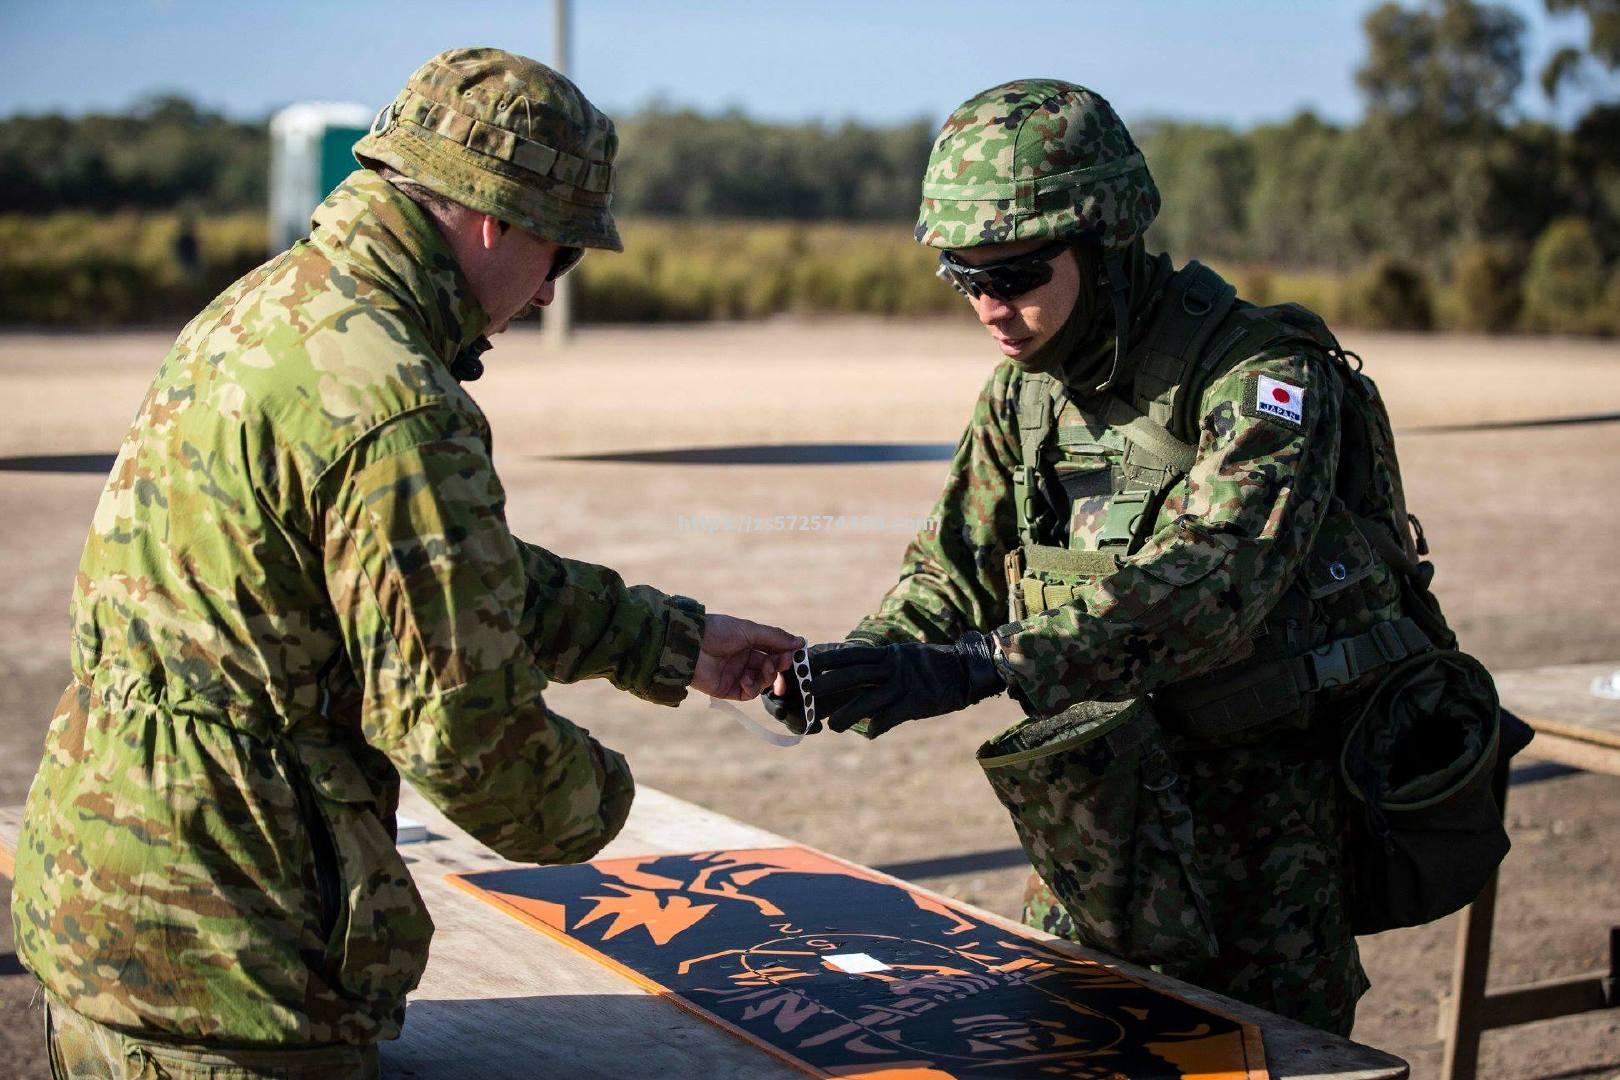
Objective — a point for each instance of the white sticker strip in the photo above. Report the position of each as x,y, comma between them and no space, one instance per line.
774,736
801,671
855,963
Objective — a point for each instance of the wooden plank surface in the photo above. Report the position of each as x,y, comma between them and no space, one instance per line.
1558,701
512,1002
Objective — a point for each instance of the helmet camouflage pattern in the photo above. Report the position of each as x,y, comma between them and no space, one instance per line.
507,136
1035,158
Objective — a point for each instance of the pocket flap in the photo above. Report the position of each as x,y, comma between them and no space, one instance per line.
1339,558
1191,555
334,773
1036,737
1084,478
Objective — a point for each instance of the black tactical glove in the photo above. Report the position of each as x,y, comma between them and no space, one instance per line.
887,685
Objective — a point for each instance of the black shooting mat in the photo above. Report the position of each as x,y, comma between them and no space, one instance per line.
844,974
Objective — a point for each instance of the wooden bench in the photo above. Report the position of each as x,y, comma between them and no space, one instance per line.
1573,727
521,1004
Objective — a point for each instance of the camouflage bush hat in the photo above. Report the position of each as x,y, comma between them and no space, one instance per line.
1035,158
507,136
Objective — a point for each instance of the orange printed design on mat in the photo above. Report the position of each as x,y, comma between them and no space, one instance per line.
841,972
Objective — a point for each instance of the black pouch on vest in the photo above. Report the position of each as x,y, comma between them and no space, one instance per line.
1421,762
1097,803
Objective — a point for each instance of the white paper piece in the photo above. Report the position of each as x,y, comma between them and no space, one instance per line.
1607,686
408,830
855,963
774,736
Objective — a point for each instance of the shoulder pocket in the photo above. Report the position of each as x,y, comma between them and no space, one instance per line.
1340,556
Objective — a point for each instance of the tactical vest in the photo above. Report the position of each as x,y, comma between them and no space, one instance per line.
1096,471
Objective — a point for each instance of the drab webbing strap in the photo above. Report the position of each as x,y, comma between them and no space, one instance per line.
1231,699
1058,560
1347,659
1197,302
1034,424
1035,559
1154,440
1081,440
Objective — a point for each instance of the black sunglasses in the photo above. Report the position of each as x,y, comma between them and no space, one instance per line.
1003,279
565,260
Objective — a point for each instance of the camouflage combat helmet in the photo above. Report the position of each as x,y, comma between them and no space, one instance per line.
1035,158
507,136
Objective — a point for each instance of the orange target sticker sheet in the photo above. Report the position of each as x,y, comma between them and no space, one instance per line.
843,973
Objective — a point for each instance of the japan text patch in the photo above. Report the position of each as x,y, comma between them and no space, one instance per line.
1275,400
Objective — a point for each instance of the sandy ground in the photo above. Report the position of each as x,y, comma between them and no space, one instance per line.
1522,524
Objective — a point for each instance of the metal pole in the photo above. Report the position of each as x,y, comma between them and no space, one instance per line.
558,320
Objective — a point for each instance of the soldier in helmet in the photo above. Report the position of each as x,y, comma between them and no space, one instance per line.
299,587
1154,535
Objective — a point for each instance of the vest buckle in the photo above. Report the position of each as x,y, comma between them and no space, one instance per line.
1331,666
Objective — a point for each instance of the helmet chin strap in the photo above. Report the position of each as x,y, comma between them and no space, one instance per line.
1119,294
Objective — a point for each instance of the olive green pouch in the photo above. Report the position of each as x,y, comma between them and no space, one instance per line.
1098,806
1419,761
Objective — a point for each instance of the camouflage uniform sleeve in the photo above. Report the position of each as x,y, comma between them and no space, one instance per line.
582,622
431,593
1189,599
953,579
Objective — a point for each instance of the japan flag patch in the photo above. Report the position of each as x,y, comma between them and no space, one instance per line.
1277,400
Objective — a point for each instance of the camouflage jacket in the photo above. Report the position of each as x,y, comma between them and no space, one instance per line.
299,586
1228,540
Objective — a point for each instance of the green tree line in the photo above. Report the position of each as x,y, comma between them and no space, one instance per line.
1442,207
166,152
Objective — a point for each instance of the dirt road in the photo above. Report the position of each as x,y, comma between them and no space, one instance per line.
1522,524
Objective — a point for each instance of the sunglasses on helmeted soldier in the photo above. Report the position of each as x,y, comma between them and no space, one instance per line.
1004,279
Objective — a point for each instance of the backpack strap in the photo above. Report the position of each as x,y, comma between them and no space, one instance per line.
1196,302
1244,695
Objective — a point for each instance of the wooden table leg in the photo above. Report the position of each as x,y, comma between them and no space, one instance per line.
1468,986
1473,964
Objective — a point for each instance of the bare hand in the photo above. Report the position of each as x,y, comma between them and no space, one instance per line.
739,658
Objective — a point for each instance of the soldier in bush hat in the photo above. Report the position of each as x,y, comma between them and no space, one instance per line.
299,587
1152,536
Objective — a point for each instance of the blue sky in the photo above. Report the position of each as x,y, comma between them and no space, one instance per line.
1237,61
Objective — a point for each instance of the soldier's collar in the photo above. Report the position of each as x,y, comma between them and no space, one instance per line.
1093,358
375,231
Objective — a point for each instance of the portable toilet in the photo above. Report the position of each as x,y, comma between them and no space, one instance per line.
310,146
